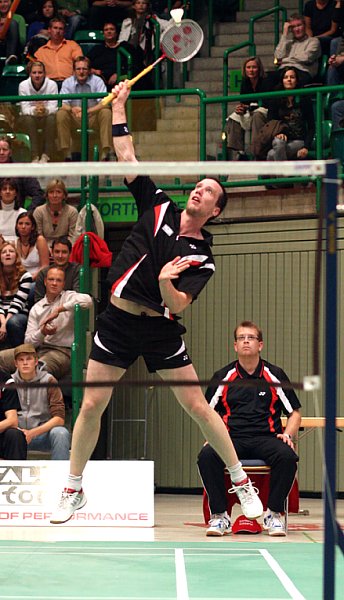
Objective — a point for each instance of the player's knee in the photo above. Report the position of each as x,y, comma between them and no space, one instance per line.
93,405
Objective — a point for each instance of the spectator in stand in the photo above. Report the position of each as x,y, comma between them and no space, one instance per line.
337,115
58,53
247,116
138,30
60,252
103,56
31,247
12,440
335,71
9,41
28,186
50,328
37,33
296,113
102,11
46,11
37,117
55,218
296,49
68,118
42,414
338,17
15,285
75,13
319,22
10,208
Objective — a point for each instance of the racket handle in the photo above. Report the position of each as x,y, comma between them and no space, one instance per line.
130,83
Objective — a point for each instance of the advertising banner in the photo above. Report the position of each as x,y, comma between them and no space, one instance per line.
119,493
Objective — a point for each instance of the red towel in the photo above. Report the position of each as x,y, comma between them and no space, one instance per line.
100,255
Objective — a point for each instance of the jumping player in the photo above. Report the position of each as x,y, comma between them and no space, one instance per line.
164,264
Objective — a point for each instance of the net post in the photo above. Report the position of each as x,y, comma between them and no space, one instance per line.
331,534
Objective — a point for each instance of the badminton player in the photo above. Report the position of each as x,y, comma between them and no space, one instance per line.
164,264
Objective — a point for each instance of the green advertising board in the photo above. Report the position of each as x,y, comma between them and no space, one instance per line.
122,209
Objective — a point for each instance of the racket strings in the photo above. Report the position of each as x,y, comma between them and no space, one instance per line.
181,42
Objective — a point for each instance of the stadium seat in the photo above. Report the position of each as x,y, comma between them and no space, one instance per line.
10,79
326,142
22,29
88,35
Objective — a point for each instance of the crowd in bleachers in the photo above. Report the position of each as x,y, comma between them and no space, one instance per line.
56,35
310,52
39,287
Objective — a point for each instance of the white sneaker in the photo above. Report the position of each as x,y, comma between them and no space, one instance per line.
44,158
249,499
273,523
70,502
219,526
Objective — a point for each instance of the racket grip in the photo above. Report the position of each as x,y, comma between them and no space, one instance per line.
130,83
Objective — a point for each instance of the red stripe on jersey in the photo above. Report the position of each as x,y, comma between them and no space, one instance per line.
274,398
224,400
159,213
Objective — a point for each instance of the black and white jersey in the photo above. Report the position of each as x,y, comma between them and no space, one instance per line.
153,242
253,409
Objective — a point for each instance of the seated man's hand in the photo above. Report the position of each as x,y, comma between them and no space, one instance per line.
241,109
286,439
112,79
302,153
76,110
281,136
48,329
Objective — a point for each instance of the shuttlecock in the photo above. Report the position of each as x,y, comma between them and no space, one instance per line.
177,15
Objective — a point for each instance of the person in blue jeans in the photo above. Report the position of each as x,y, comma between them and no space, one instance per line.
42,414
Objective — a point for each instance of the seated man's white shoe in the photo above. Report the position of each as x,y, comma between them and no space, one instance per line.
273,523
70,501
219,525
250,502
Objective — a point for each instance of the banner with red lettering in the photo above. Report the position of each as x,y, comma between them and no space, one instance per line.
119,493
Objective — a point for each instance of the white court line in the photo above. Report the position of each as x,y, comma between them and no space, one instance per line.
181,580
282,576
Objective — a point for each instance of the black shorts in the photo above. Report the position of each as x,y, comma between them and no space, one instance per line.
122,337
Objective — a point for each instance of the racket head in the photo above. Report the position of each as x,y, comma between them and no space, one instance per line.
181,42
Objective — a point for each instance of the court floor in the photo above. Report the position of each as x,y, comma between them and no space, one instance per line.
173,560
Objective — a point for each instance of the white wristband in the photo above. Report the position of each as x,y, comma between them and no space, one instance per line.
287,435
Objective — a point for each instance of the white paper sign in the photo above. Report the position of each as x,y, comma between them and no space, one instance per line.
119,493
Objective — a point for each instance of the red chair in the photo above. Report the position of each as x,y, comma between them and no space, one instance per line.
259,473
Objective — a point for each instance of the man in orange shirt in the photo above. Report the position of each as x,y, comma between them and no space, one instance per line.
58,53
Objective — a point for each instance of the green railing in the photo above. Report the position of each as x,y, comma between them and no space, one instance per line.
81,325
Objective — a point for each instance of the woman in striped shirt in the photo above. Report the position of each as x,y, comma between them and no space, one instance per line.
15,285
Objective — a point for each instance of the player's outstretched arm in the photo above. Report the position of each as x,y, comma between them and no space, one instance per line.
122,140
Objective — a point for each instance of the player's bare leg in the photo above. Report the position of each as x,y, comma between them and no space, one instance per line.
85,436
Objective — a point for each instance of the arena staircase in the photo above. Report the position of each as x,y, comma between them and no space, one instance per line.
176,134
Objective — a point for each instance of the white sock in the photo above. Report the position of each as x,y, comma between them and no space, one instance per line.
74,482
237,473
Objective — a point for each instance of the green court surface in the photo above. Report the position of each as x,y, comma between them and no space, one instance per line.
157,570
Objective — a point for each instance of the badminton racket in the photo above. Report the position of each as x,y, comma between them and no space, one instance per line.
179,43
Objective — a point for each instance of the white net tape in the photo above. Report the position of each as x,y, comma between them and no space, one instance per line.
172,169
